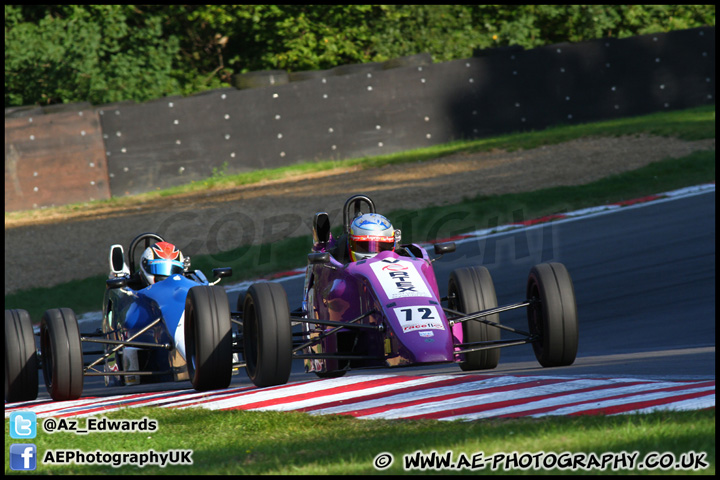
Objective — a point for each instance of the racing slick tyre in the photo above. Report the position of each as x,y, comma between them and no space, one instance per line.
470,290
553,315
21,363
62,355
267,334
208,338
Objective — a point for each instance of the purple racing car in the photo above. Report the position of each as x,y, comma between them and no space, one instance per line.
370,301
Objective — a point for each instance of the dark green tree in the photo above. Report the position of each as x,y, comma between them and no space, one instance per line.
99,54
108,53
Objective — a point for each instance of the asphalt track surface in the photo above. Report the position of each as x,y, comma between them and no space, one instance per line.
644,278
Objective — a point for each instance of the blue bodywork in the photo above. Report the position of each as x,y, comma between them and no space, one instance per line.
127,311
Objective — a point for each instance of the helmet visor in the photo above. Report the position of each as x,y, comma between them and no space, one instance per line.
164,267
371,244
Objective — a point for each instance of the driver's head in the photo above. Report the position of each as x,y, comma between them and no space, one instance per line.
370,234
159,261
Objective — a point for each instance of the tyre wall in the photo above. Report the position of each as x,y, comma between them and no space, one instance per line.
359,111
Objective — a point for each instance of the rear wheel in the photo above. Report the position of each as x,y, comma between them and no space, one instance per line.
470,290
62,357
208,340
267,334
21,364
553,315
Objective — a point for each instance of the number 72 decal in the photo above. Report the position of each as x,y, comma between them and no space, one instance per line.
413,318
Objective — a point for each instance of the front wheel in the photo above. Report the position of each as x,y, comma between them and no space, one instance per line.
208,339
62,356
267,334
471,290
21,364
552,316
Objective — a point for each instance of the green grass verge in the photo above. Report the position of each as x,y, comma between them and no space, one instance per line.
242,442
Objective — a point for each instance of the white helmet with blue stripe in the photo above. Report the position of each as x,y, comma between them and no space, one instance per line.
160,261
370,234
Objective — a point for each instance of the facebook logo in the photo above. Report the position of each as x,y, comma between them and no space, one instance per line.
23,456
23,425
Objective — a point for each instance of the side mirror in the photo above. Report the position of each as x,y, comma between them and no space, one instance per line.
321,228
117,282
222,272
443,248
319,258
118,267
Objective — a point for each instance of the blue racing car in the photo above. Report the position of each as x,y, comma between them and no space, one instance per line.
161,322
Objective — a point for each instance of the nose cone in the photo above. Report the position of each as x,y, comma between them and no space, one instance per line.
423,331
428,347
436,356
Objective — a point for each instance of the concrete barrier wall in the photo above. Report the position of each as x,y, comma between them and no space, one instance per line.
374,111
54,159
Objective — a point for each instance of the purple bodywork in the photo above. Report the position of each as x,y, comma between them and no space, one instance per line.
403,295
385,309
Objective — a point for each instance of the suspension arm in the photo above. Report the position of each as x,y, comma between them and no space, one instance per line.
486,313
148,327
339,326
491,345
